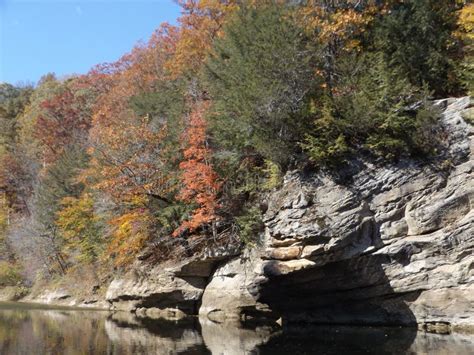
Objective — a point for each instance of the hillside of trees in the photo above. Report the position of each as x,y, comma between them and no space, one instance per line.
171,148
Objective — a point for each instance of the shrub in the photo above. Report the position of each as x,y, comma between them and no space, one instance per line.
375,110
249,224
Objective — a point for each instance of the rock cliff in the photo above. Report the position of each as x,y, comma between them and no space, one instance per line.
389,244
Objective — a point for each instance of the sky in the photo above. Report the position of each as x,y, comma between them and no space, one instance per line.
69,37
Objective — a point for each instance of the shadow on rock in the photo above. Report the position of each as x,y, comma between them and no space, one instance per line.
355,291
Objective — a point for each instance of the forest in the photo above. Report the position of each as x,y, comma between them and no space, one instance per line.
173,147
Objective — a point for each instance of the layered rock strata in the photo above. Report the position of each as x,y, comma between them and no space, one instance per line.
375,244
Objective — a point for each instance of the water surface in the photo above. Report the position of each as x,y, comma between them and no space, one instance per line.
31,329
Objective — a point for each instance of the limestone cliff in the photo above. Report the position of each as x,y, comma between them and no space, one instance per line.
373,244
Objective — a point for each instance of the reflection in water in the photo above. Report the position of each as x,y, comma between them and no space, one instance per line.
26,329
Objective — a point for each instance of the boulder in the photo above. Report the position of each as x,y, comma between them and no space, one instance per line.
158,287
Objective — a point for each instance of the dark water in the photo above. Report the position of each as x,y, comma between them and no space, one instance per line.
27,329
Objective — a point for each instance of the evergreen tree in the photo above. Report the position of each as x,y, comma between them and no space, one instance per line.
417,36
376,110
259,77
59,181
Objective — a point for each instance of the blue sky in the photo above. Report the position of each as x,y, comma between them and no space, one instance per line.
67,37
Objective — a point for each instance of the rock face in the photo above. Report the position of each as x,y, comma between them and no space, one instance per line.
374,245
63,297
159,288
230,293
164,291
12,293
387,245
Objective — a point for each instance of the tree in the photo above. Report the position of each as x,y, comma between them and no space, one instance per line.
65,118
418,36
16,182
80,227
466,35
13,101
129,156
201,23
58,181
259,77
9,274
336,27
200,182
131,229
47,88
134,143
376,110
4,224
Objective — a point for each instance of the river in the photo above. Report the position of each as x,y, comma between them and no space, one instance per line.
33,329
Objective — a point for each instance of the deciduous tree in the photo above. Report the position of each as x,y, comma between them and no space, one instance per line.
200,182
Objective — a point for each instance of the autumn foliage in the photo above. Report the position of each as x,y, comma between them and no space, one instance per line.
65,118
179,139
200,182
130,231
202,21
